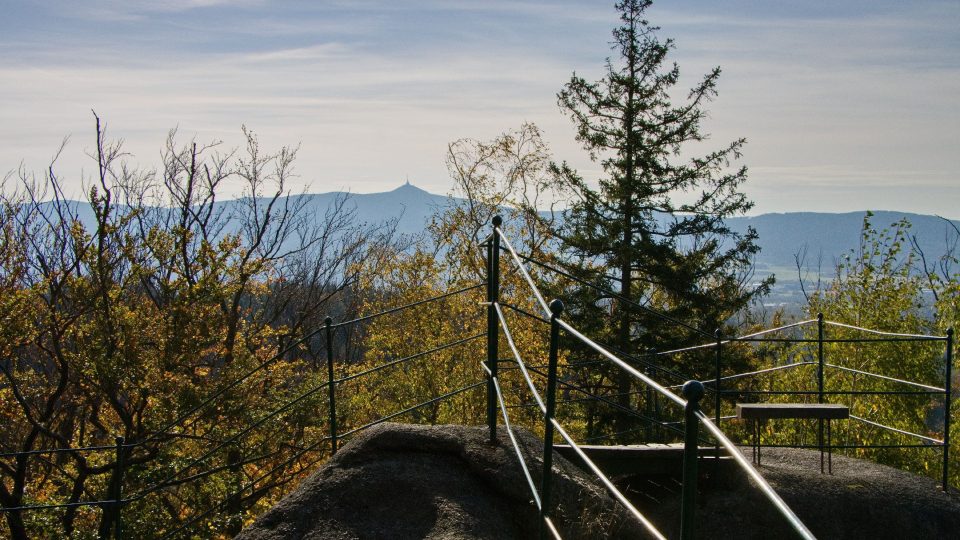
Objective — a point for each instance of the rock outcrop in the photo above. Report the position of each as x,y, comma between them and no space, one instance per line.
402,481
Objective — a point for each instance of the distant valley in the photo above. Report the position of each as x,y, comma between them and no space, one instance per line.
825,237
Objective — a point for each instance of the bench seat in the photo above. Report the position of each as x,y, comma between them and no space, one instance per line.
769,411
759,412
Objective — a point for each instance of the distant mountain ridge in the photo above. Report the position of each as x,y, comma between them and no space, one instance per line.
825,236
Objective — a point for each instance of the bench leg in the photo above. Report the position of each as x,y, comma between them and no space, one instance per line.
829,448
756,439
820,441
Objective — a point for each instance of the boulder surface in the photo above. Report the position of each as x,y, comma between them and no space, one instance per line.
402,481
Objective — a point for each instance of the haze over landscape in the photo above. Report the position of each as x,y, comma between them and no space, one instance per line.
388,248
845,106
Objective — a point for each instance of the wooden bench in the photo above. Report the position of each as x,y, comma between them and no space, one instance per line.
760,412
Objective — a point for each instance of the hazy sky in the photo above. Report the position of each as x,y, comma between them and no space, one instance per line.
846,105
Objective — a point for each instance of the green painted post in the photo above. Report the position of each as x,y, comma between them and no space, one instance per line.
820,357
234,511
493,324
693,391
331,386
820,384
718,334
947,398
118,491
556,308
657,412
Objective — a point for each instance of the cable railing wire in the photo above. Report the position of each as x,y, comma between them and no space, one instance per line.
614,295
313,447
768,491
403,307
636,358
232,439
513,439
290,347
60,451
413,408
919,337
617,494
183,526
516,354
414,356
895,430
884,377
523,271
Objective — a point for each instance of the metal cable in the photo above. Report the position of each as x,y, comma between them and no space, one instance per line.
884,377
606,481
516,354
513,440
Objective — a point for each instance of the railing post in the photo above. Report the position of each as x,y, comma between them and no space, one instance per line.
118,491
493,324
718,334
657,412
693,391
820,384
235,519
331,389
820,357
556,308
947,398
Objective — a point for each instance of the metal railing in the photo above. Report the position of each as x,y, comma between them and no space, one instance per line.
822,392
718,342
116,500
693,391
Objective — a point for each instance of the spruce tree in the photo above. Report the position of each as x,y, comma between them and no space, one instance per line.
653,230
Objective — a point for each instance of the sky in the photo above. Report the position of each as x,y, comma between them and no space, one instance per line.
846,105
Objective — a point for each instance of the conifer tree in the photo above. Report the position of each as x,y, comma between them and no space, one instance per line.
654,227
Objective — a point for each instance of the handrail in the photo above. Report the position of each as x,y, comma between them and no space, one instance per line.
403,307
280,354
606,481
603,399
523,271
895,430
623,365
919,337
768,491
516,354
777,329
714,430
641,359
414,356
757,372
597,472
884,377
513,439
772,495
615,295
411,409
